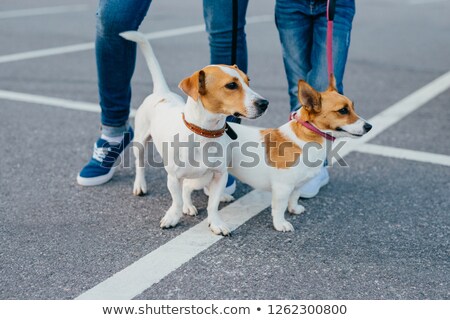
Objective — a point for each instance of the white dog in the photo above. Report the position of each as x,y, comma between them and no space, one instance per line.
214,92
289,162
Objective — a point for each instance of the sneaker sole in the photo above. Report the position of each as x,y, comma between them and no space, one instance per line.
96,181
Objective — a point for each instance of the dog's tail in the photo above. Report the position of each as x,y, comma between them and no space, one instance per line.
159,82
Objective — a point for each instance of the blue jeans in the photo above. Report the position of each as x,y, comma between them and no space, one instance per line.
116,57
218,16
302,27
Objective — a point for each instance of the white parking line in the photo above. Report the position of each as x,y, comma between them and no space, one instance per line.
406,154
54,102
415,2
141,275
49,101
46,52
42,11
90,45
153,267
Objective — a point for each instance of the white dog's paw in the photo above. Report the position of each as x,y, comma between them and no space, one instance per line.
283,226
297,209
190,210
171,219
226,197
219,227
140,187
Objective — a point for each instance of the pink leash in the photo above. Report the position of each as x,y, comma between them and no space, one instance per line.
330,17
331,5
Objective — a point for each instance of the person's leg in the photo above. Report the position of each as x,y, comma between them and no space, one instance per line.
218,15
115,66
116,59
318,77
295,31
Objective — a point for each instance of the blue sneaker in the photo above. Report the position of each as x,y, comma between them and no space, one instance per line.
231,185
100,169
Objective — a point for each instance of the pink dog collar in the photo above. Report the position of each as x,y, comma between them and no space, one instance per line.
308,125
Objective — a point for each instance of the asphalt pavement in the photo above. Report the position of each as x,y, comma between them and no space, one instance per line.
379,230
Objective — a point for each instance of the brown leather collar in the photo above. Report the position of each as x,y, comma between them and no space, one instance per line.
203,132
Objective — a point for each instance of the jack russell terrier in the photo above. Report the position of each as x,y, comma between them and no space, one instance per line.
214,92
289,156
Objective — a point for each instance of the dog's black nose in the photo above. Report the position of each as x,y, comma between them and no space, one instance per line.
261,104
367,126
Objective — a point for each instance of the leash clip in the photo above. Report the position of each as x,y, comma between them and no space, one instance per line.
230,132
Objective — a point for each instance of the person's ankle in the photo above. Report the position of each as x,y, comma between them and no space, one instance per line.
113,140
114,133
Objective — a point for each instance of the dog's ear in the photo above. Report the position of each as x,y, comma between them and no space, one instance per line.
194,85
309,98
189,86
332,83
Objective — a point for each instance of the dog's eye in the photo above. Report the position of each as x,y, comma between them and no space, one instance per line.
231,86
344,110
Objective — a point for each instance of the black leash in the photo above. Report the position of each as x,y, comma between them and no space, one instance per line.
331,8
234,34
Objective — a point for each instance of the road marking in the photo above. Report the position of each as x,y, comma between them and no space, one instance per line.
156,265
406,154
42,11
399,110
414,2
90,45
46,52
54,102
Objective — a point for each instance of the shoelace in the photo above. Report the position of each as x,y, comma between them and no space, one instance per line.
100,153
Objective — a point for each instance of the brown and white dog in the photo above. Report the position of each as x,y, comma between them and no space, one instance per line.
289,156
214,92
